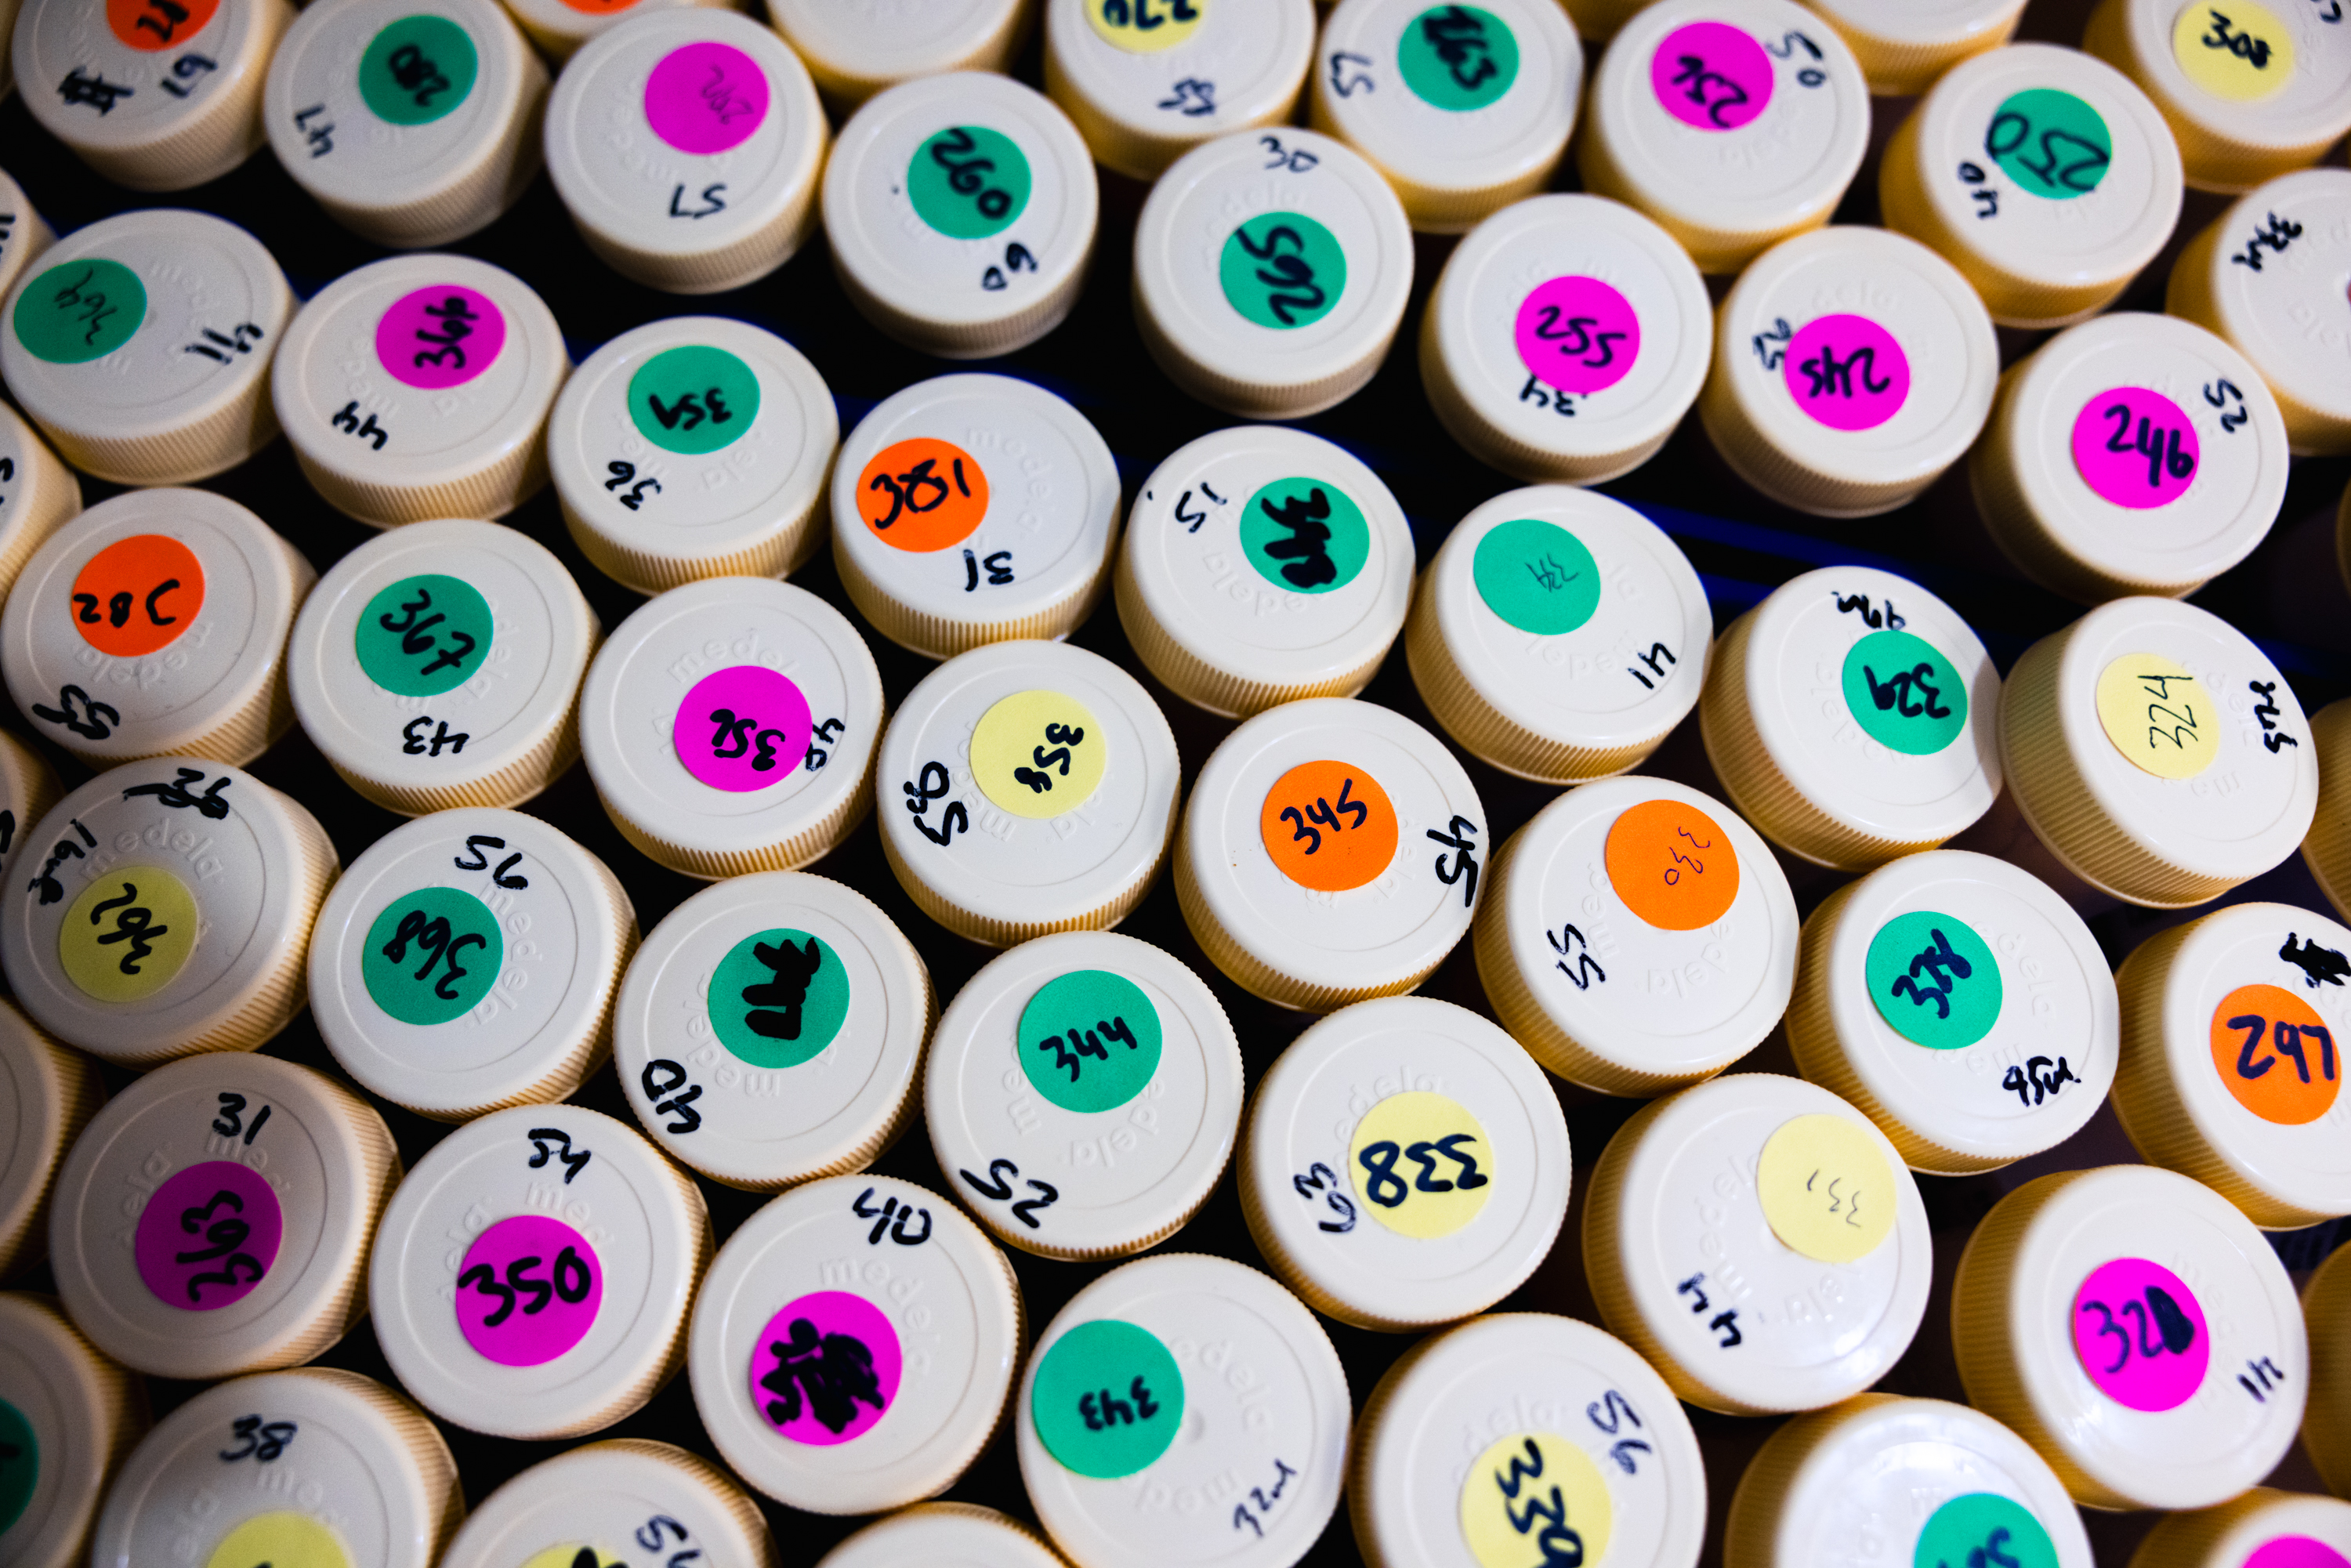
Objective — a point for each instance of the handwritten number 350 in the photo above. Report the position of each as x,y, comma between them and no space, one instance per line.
570,1284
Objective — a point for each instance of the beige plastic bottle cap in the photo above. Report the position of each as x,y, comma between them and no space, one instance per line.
962,1533
2137,1331
620,1233
1183,1343
413,122
479,709
141,344
1566,338
69,1413
2327,1426
2267,276
1271,272
1085,1090
38,494
971,510
557,28
24,233
1147,83
367,389
770,1030
856,51
162,910
1904,48
1758,1214
2263,1527
468,961
921,1324
604,1501
49,1092
28,787
1851,368
2158,753
2326,848
1262,564
1637,936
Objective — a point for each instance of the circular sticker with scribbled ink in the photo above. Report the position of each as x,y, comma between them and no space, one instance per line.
1038,754
1712,75
2277,1056
2296,1552
81,311
1305,535
137,596
528,1290
2243,59
1458,57
922,495
693,400
1089,1040
1933,980
2159,715
149,27
432,955
20,1465
1827,1187
969,182
778,997
1577,334
826,1368
423,635
705,97
418,69
2136,448
2141,1335
209,1236
1108,1399
1502,1527
1536,575
1847,372
1148,27
1983,1527
1904,694
743,728
442,337
2050,142
128,934
1672,864
280,1539
1421,1164
1329,826
1282,270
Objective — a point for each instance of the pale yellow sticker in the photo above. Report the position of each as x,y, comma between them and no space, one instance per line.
128,934
280,1540
1146,26
1422,1162
2233,49
574,1557
1826,1188
2159,716
1535,1498
1038,754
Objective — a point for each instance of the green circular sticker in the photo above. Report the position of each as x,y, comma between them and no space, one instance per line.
417,69
1934,980
694,399
1458,57
1305,535
1905,693
20,1464
423,635
2050,142
81,311
1537,577
1983,1530
1108,1399
1283,270
778,997
1089,1040
968,181
432,955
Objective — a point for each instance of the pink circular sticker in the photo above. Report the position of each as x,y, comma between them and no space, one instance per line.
529,1291
2296,1552
1847,371
441,336
1578,334
2136,448
208,1236
743,728
2141,1334
1712,75
826,1368
706,97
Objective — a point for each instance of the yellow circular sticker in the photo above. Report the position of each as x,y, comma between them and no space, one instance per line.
1423,1164
574,1557
1038,754
2159,716
1535,1498
1146,26
280,1540
128,934
1826,1188
2233,49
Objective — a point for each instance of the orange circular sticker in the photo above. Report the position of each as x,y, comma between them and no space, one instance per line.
923,495
148,25
599,7
137,595
1329,826
1672,864
2275,1054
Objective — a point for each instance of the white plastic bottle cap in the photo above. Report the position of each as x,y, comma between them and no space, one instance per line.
2157,752
2327,1425
367,387
215,1217
1760,1243
1904,48
620,1234
1206,1347
1558,634
2137,1331
24,233
1566,338
1302,597
2263,1528
203,951
1271,271
856,51
743,985
28,787
686,143
413,122
1851,368
49,1092
141,345
557,28
962,1533
603,1502
37,495
468,961
69,1413
1637,936
971,510
1085,1089
1147,83
1015,734
2042,174
479,709
854,1345
2265,276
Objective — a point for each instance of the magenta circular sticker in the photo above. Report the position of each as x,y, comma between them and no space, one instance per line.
743,728
1578,334
1712,75
529,1291
1847,371
826,1368
208,1236
440,336
2296,1552
2141,1334
2136,448
706,97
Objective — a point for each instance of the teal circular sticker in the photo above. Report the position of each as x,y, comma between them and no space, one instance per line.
1983,1530
81,311
968,181
1905,693
778,997
1536,576
1305,535
2050,142
1107,1400
1283,270
1089,1040
20,1465
432,955
693,400
417,69
1458,57
1933,980
424,636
